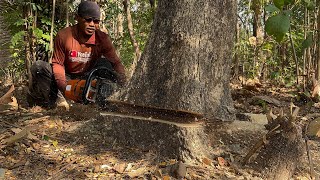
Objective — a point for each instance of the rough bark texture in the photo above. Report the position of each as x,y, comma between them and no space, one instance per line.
318,46
187,142
280,157
186,63
257,23
4,43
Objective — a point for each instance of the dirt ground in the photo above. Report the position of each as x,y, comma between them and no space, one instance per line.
55,144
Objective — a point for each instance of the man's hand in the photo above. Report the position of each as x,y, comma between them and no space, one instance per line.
61,102
121,79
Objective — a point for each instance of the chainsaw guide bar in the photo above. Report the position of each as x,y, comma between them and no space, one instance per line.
176,116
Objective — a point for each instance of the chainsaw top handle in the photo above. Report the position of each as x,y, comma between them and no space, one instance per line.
100,72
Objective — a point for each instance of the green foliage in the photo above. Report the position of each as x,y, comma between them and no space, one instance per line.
46,137
309,4
274,54
28,29
279,3
271,8
17,38
264,106
43,38
45,21
278,25
142,16
308,41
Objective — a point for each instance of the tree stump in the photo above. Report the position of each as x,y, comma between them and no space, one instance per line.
283,148
186,142
280,157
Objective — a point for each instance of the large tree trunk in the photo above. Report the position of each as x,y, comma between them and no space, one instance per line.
318,46
186,63
5,38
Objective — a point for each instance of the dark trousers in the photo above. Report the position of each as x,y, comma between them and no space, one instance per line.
43,89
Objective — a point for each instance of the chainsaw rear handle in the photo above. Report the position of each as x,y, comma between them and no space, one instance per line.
91,76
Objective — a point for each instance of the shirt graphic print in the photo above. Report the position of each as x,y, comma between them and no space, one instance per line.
79,57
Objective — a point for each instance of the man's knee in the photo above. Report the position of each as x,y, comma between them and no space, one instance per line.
41,68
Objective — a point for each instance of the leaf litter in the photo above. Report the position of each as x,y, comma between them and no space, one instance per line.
41,144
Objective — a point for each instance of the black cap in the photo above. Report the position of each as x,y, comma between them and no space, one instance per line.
89,9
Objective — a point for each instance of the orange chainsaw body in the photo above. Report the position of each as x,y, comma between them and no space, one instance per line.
96,86
75,87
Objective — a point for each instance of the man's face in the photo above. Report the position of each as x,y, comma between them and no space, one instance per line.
88,25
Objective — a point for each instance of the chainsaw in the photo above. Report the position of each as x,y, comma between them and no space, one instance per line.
100,84
96,87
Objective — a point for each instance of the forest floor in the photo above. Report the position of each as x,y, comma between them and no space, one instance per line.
55,144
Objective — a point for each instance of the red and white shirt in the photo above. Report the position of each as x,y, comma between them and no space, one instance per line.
75,58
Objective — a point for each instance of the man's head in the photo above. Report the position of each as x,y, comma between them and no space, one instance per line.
88,17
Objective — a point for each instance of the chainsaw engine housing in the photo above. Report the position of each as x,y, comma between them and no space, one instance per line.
96,87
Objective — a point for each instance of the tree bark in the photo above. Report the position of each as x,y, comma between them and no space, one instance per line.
119,30
186,63
279,159
27,48
52,28
295,58
258,33
67,13
306,29
236,65
283,148
32,40
257,14
187,142
5,38
134,42
318,46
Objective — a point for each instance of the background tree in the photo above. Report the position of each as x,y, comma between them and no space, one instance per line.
127,7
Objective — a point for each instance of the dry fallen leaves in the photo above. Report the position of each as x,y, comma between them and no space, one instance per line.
6,98
24,133
158,173
207,161
137,173
120,167
16,130
8,101
222,161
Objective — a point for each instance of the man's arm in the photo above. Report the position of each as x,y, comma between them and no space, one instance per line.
58,63
110,53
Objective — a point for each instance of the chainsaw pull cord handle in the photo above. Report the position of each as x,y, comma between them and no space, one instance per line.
91,76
